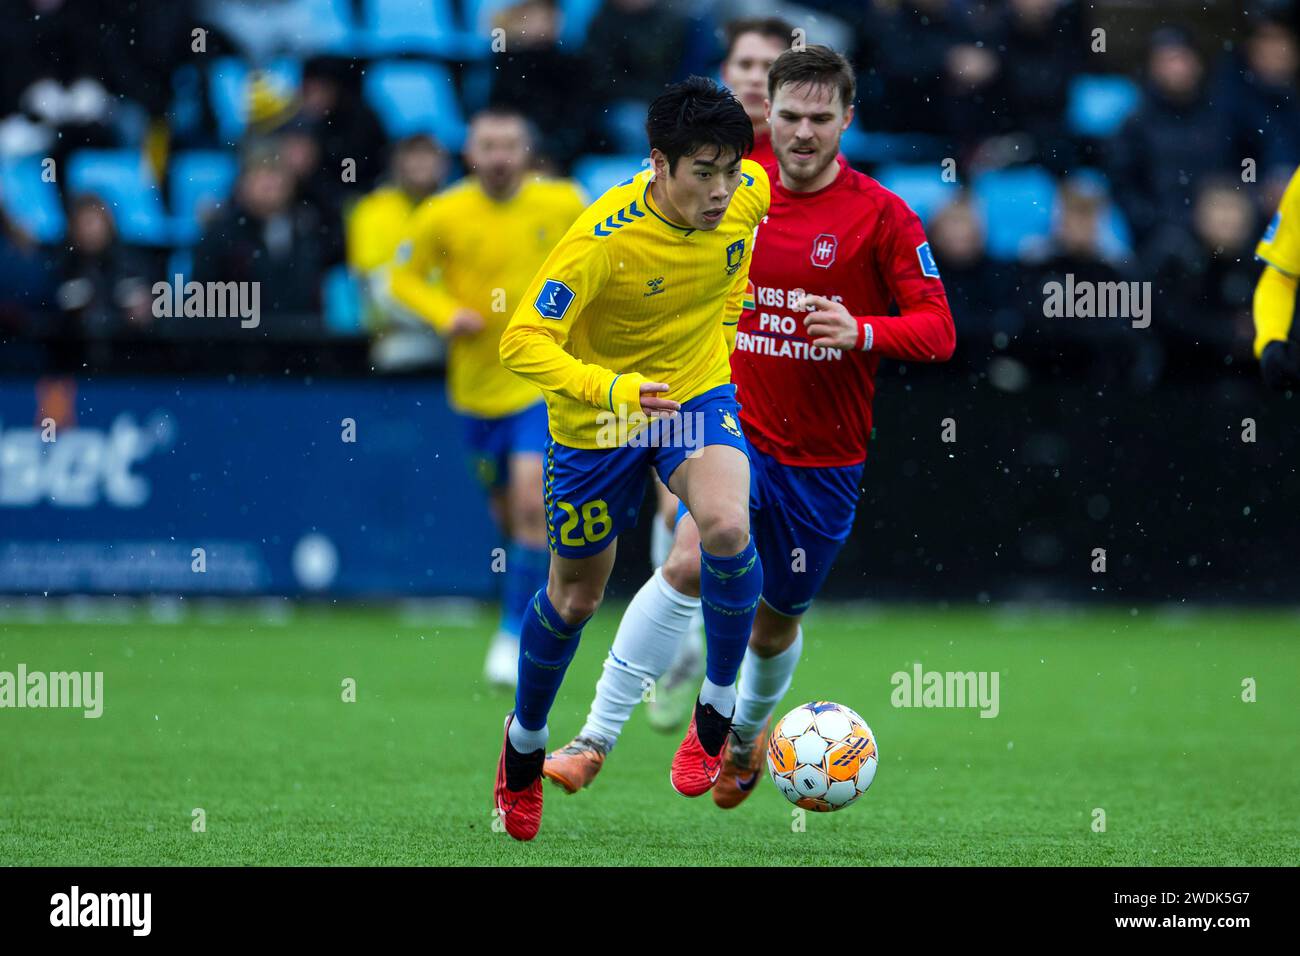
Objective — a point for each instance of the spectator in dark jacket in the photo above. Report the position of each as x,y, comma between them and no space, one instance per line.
1176,138
1259,89
103,286
265,237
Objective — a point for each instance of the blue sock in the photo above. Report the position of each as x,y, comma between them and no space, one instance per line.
729,592
526,570
546,645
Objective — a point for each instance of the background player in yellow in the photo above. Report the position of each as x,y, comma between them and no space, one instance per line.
375,228
470,255
1275,295
632,316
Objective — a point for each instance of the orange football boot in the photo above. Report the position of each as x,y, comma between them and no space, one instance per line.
575,765
742,765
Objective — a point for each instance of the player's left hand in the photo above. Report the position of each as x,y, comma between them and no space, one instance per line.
831,324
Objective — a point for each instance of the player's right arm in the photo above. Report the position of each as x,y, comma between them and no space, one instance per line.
1275,295
419,257
532,346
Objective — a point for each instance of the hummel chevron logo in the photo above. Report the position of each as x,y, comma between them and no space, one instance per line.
618,220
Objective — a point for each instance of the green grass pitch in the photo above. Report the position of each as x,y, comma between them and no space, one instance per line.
1136,712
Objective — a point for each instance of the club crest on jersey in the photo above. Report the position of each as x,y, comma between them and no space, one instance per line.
823,250
735,256
554,299
928,266
729,422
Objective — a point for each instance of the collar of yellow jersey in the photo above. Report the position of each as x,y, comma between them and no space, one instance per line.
649,204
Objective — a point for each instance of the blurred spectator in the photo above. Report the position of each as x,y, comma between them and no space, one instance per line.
939,71
1175,139
535,76
103,286
977,288
1043,42
52,74
1107,349
26,279
1259,89
264,237
376,226
635,47
345,125
1207,277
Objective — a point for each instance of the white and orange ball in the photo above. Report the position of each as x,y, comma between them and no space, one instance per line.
822,756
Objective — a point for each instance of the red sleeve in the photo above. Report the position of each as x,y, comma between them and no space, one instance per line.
923,331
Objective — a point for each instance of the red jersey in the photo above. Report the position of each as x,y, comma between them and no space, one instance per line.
855,242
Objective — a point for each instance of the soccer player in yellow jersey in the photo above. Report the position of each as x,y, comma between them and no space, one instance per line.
627,328
470,254
1275,295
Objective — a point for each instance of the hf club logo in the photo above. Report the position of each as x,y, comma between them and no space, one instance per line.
823,250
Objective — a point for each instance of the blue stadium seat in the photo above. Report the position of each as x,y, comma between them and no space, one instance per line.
228,91
332,29
1017,205
199,178
411,26
577,16
413,97
35,205
1099,104
597,173
341,296
921,186
123,179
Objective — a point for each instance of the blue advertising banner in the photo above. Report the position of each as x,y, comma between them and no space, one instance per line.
212,486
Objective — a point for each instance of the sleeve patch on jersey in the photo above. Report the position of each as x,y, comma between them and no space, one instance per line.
1271,232
554,299
928,266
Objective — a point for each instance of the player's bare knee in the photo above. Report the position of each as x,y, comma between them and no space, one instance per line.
576,603
725,534
682,569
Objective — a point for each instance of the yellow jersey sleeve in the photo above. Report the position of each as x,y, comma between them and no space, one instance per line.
533,343
414,280
1275,295
1280,247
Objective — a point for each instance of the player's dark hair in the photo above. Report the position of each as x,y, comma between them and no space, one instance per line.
696,114
769,28
816,65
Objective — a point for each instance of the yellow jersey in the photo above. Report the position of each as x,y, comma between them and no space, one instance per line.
629,297
1280,248
375,228
466,250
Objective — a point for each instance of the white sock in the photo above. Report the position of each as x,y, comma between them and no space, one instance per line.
763,682
722,698
526,741
691,647
653,626
661,542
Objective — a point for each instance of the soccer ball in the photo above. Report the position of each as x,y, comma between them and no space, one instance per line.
822,756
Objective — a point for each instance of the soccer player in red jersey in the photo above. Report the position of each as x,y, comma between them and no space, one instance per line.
832,256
